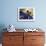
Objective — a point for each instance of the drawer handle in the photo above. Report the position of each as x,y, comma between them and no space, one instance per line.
33,39
11,38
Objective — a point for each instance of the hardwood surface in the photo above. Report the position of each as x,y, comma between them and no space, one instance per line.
12,39
34,39
23,38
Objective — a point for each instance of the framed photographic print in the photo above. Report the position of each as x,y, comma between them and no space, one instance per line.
26,14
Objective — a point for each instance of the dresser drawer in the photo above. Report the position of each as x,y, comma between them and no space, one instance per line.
37,44
14,44
13,33
12,39
34,33
37,39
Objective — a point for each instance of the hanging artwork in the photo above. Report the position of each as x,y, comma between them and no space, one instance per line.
26,14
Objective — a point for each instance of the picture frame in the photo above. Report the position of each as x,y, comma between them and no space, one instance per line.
26,14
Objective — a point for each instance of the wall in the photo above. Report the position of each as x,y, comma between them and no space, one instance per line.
8,13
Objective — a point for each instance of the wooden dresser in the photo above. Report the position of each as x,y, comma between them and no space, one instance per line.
23,39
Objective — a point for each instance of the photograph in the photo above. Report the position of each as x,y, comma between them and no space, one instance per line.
26,14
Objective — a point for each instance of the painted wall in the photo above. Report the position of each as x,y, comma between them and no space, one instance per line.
8,13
